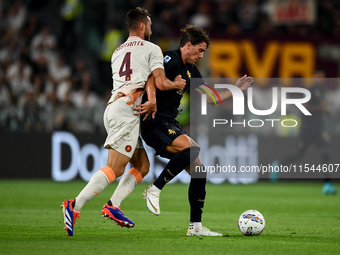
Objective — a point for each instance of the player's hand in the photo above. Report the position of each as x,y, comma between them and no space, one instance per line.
244,82
179,82
147,108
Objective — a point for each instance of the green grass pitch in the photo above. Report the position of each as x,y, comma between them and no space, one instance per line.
299,220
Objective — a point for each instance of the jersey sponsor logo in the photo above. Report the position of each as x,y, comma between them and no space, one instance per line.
189,74
167,59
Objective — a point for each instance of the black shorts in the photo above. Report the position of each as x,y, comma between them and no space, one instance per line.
160,131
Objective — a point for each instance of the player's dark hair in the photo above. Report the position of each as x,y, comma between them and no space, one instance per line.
193,34
135,16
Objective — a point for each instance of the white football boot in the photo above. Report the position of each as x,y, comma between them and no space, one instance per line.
151,195
201,231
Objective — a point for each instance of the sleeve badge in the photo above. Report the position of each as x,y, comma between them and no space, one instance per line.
167,59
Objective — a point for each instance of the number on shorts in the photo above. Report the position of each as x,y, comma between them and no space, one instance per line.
125,68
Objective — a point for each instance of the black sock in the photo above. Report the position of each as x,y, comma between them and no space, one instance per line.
196,196
176,165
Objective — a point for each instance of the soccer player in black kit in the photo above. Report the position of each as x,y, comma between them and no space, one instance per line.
169,140
312,130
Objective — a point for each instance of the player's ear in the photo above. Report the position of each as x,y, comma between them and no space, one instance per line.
142,26
189,45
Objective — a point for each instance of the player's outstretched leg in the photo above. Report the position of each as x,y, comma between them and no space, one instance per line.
70,216
176,165
97,183
117,215
111,210
196,195
126,185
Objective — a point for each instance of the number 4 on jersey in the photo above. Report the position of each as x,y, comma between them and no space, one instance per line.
125,68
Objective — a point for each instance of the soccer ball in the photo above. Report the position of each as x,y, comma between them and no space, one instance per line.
251,223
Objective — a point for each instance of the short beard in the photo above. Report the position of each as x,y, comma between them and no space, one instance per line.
146,37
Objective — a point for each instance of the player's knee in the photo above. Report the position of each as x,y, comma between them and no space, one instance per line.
191,153
194,152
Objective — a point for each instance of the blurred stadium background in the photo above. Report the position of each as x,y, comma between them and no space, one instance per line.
55,75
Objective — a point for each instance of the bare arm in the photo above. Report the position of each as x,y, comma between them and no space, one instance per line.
150,88
150,105
163,83
157,79
242,83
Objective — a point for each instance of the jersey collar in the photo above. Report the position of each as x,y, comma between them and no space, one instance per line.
134,37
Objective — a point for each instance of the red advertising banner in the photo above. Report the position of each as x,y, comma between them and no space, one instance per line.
293,12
